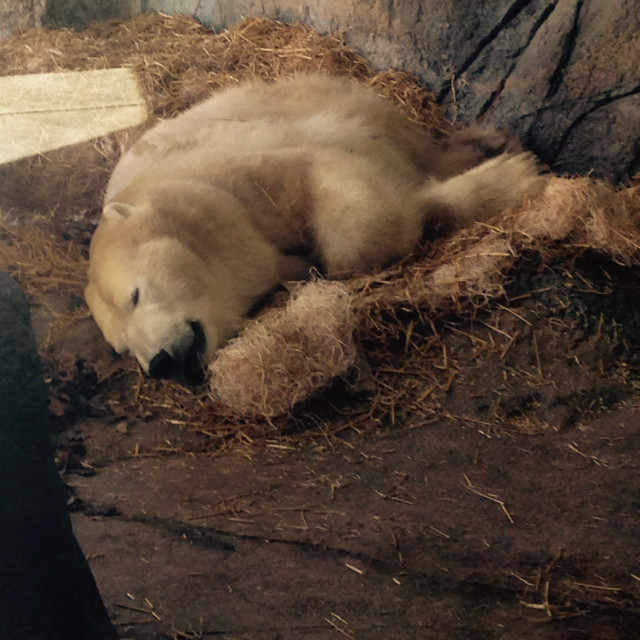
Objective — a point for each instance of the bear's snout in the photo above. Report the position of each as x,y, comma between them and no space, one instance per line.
164,365
188,364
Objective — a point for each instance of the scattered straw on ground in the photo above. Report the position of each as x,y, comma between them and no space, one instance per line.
41,262
178,61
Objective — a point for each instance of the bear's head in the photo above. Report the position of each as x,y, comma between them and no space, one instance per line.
172,276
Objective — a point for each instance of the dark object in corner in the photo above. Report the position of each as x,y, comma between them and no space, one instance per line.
47,591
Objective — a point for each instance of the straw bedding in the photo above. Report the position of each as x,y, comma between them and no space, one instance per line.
285,356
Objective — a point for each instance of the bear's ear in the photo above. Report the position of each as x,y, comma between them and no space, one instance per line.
115,211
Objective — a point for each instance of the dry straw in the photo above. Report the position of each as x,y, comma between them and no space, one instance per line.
289,354
51,203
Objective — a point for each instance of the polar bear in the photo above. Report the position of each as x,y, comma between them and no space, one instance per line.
209,211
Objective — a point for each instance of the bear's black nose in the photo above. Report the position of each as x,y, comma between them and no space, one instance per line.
163,365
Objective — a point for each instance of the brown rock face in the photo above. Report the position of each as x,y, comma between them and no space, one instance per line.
564,76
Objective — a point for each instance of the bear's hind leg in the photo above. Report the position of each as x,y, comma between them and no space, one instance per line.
491,187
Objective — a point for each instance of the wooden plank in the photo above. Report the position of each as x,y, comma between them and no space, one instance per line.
46,111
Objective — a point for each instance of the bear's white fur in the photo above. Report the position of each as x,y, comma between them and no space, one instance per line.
207,212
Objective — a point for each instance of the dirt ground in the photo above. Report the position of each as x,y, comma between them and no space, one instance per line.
508,508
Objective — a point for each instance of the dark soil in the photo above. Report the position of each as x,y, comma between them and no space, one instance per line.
507,508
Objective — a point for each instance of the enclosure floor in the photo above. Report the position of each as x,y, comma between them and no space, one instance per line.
511,513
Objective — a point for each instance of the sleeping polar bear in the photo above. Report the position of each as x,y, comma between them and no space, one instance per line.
209,211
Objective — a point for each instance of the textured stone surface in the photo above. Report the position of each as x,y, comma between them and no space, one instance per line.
46,589
77,13
564,75
20,14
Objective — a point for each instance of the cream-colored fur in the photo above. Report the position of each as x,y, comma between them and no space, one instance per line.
208,211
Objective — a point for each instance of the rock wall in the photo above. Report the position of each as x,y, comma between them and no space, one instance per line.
77,13
20,14
563,75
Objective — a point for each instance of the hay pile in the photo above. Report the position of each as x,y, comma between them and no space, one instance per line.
289,354
178,63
